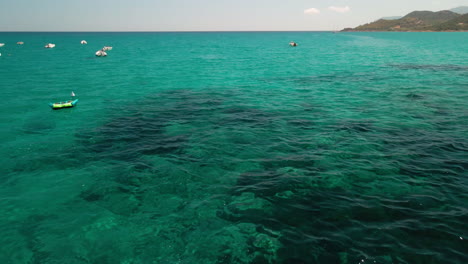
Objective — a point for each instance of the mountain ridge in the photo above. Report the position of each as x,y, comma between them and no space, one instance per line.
444,20
460,10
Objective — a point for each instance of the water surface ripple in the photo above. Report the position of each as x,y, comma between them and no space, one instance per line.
235,148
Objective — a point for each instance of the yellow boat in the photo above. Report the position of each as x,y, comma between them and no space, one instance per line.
61,105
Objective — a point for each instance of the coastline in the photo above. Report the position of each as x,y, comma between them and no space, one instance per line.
403,31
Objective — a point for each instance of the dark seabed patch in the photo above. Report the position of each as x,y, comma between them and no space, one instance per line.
336,78
414,96
38,125
431,67
237,184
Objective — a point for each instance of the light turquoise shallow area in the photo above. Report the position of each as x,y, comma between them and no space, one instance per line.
234,148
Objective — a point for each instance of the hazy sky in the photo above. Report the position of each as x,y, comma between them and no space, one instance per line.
203,15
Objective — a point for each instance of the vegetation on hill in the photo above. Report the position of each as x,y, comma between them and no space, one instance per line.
419,21
430,18
459,23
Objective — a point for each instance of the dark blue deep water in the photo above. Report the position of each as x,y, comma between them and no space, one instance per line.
234,148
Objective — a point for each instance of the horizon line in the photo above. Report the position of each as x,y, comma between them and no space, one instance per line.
163,31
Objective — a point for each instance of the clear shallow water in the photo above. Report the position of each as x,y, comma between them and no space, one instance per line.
235,148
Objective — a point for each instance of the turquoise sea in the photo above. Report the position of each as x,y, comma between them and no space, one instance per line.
234,148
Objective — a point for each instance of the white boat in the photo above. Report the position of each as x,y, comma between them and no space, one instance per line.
101,53
84,42
292,44
2,44
20,42
49,46
106,48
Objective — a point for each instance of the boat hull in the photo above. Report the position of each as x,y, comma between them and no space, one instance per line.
101,53
62,105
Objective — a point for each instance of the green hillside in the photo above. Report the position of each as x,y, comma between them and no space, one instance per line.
430,18
418,21
459,23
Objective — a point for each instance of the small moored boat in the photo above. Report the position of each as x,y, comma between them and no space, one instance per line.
2,44
84,42
20,42
292,44
106,48
61,105
101,53
49,46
